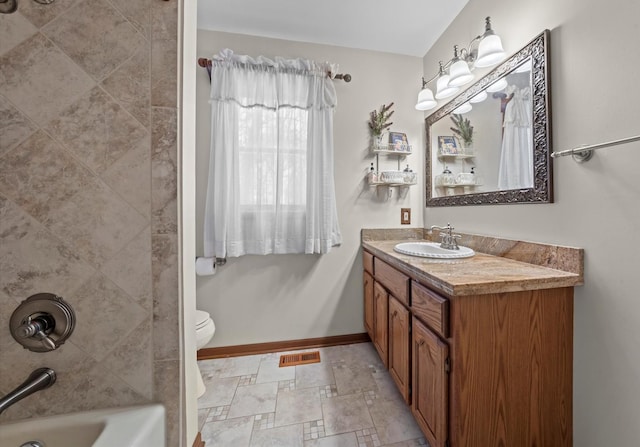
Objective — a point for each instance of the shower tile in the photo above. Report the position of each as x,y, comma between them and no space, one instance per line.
14,28
68,361
95,36
130,176
40,177
135,281
41,80
164,171
97,223
130,85
164,52
14,126
164,268
32,260
137,12
99,388
167,391
40,15
106,315
97,130
132,359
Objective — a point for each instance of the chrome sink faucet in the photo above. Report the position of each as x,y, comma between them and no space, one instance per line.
449,240
38,380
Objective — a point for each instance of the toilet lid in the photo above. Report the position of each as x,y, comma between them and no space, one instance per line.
201,317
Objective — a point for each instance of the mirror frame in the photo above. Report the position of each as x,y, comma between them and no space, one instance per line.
542,191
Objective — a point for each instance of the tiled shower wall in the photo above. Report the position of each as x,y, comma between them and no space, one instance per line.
88,166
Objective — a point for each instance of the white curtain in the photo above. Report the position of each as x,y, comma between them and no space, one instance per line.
516,161
271,185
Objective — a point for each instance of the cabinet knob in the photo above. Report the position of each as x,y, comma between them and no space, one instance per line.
395,313
421,343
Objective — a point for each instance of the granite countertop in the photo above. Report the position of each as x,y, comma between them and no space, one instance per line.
480,274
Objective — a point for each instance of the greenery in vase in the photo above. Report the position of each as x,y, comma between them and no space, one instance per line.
463,128
379,120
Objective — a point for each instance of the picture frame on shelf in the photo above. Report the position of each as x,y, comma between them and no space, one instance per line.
448,145
398,142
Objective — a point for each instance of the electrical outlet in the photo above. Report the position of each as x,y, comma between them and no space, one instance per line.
405,216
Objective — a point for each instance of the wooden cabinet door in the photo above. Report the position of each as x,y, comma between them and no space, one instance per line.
381,320
399,346
368,304
430,394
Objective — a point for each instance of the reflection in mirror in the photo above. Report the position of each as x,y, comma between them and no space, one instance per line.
488,145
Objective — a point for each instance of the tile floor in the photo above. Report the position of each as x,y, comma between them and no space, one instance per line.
346,400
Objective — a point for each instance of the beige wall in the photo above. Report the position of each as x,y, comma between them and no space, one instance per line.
255,299
88,157
594,98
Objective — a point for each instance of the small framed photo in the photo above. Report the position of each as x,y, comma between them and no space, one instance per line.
447,145
398,141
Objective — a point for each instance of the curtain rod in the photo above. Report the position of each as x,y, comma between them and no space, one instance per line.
346,77
584,153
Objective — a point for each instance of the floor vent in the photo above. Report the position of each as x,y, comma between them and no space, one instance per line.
301,358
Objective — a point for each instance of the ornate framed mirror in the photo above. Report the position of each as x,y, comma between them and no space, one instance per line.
492,143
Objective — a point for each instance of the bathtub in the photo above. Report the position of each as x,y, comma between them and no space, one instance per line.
138,426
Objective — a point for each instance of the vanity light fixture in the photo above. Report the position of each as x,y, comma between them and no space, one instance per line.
483,51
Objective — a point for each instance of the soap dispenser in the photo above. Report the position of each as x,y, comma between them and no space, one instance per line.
446,178
372,175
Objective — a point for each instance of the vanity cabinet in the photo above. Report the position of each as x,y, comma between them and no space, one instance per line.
478,369
430,397
381,322
368,304
399,346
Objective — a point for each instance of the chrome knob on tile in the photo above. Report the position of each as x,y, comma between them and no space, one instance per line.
42,322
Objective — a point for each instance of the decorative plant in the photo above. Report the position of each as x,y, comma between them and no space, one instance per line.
379,120
463,128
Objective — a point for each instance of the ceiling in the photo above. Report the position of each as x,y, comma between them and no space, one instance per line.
407,27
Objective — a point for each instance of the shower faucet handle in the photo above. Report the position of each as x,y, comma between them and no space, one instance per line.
38,328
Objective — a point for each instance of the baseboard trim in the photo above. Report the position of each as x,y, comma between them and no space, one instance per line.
287,345
198,442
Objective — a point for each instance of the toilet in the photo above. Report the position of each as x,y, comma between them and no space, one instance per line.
205,328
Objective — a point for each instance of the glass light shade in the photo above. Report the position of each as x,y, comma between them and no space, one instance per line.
490,51
425,100
479,97
443,90
459,73
464,108
500,84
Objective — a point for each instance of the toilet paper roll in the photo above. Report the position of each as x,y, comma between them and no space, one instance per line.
205,266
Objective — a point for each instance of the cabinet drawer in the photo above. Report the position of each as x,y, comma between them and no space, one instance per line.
431,308
397,283
367,261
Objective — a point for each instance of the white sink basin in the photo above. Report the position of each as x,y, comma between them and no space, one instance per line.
140,426
432,250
